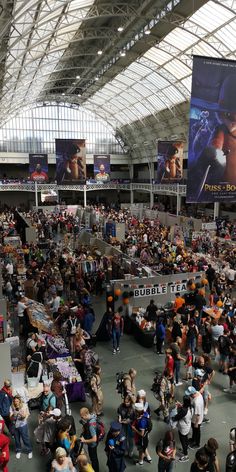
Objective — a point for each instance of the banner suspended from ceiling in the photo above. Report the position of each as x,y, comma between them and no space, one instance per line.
170,161
70,161
38,167
212,131
102,167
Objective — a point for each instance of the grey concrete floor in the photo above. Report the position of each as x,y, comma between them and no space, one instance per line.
221,411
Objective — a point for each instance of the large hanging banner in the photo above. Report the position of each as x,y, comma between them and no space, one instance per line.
102,168
212,131
38,167
169,161
70,161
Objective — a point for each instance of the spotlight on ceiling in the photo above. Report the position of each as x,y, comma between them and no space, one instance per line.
120,29
122,53
63,93
147,32
79,94
96,78
78,77
99,52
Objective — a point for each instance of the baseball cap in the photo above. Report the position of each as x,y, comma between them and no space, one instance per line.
56,412
115,426
141,393
138,406
190,391
199,372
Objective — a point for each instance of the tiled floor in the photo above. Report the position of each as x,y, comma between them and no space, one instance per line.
221,411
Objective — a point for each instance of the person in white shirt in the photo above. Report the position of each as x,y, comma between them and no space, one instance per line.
10,268
216,331
21,306
55,304
198,414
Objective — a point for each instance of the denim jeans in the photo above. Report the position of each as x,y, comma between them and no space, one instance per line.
116,339
165,466
22,433
191,344
92,451
177,370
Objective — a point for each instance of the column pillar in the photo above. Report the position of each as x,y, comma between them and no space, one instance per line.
85,196
178,202
216,210
36,193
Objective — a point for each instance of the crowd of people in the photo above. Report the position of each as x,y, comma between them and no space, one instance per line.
57,278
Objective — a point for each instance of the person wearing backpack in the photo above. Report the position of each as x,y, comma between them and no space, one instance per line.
141,427
72,325
96,391
90,435
115,448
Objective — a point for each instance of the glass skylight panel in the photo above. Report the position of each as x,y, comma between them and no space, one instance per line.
158,56
211,16
205,49
181,38
177,68
228,35
157,80
174,94
139,69
142,89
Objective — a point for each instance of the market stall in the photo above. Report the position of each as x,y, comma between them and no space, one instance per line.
39,317
73,383
143,330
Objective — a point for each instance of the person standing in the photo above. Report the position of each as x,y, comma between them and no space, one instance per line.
116,330
89,435
166,451
141,436
4,452
183,418
129,384
6,399
151,311
19,413
115,448
160,336
126,416
210,275
177,359
198,415
96,391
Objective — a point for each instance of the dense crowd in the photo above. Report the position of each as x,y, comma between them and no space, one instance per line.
64,279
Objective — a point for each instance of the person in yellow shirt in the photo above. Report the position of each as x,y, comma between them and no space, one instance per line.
83,463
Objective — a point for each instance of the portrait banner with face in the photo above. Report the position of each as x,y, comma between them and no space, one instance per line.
102,167
38,167
170,161
212,131
70,161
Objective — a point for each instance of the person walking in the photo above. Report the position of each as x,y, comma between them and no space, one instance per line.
141,436
160,335
89,435
6,399
197,418
116,330
19,414
183,418
115,447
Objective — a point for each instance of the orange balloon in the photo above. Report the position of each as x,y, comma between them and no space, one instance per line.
204,282
126,301
192,286
117,292
109,299
219,303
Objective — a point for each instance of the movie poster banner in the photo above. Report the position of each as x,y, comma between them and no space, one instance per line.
102,167
212,131
170,161
70,161
38,167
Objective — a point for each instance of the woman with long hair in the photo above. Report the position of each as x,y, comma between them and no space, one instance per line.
19,416
166,451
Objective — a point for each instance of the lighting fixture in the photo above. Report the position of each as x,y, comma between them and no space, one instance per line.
63,93
120,29
123,53
73,83
147,32
78,77
96,78
79,94
99,52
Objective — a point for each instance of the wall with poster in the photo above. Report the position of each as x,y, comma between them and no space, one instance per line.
212,131
170,161
38,167
102,168
70,161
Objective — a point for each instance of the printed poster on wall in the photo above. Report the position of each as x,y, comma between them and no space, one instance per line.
102,168
70,161
38,167
170,161
212,131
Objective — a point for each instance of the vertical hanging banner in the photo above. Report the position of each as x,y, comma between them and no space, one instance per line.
102,167
170,161
70,161
38,167
212,131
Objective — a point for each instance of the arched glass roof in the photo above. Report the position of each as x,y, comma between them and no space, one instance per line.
161,78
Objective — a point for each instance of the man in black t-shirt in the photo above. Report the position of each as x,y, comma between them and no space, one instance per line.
151,311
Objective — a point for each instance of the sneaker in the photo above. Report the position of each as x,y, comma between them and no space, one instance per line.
206,420
228,390
184,459
139,463
30,455
148,459
118,350
114,351
205,411
194,446
18,454
178,384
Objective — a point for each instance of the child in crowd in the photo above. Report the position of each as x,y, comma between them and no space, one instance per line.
189,364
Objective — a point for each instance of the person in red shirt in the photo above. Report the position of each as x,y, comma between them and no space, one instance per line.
169,365
4,449
39,174
179,302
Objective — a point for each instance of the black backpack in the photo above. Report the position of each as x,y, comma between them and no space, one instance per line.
120,388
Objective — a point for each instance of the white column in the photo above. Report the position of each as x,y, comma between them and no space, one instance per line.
131,194
85,196
178,202
151,198
131,174
216,210
36,193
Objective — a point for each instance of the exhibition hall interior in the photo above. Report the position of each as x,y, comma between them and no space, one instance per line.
117,235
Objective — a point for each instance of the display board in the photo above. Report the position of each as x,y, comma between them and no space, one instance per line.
70,161
170,161
212,131
38,167
102,168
